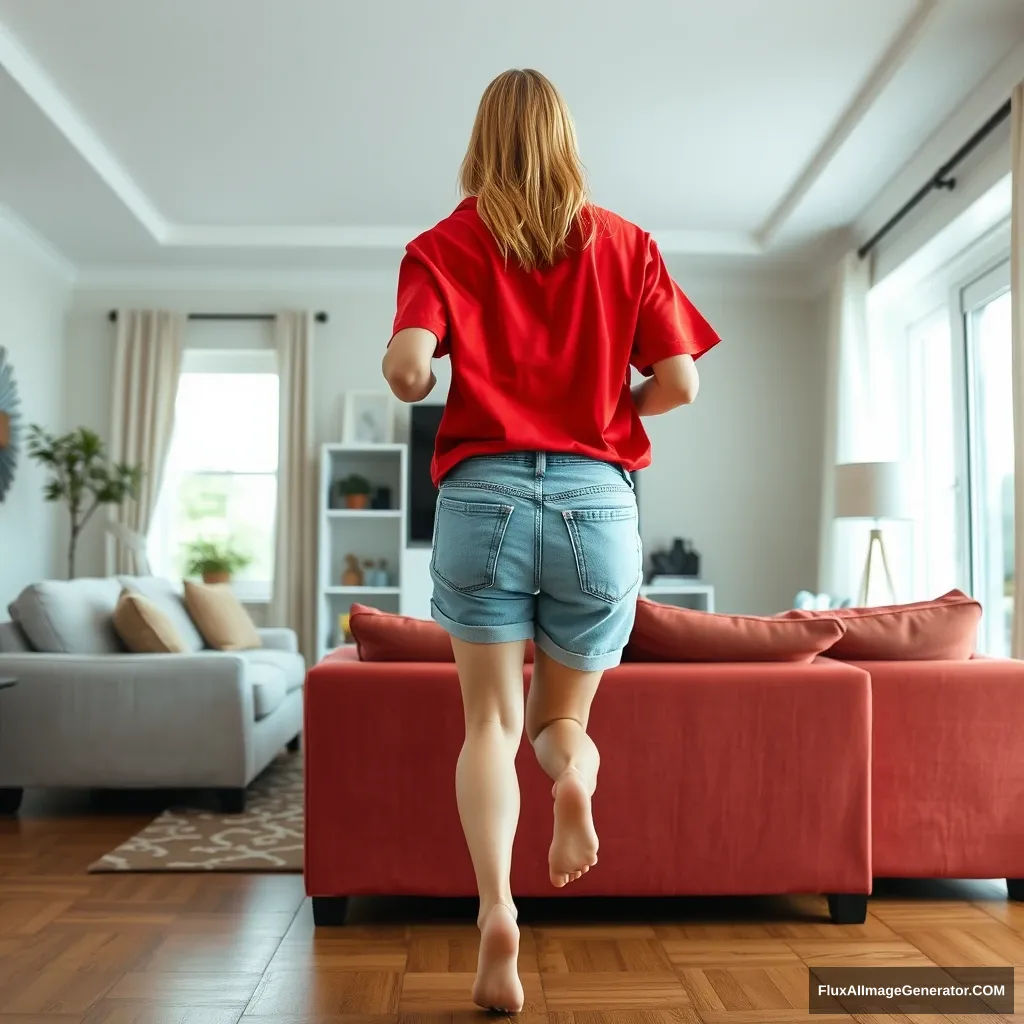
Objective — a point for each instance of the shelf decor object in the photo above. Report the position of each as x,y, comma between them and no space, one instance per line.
10,424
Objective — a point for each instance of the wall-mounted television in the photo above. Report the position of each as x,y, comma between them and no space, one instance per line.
424,421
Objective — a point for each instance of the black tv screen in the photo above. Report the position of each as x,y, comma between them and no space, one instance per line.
423,425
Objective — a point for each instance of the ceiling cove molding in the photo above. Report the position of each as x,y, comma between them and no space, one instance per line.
43,91
35,246
881,74
312,237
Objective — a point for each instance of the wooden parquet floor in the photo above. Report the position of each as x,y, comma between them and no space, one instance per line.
224,949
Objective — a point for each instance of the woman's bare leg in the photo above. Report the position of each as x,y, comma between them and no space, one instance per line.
557,712
491,677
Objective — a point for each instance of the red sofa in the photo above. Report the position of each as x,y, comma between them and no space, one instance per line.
947,794
715,779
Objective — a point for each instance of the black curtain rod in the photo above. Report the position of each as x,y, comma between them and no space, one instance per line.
940,179
321,317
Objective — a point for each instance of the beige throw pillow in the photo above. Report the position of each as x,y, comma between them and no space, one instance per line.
220,617
144,628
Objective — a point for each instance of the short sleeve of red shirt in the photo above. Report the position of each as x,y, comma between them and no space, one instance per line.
668,324
420,303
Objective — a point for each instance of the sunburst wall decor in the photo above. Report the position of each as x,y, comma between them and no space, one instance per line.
10,424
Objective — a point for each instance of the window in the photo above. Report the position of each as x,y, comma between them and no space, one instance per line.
958,428
220,481
987,338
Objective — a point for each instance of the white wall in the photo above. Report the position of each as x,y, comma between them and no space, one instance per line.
738,472
33,300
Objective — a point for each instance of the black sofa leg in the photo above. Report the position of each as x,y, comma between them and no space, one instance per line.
10,800
329,911
295,744
847,908
1015,889
231,801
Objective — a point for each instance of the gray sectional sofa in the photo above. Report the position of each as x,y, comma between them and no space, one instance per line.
84,713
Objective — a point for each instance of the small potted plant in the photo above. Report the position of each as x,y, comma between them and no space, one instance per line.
357,490
215,560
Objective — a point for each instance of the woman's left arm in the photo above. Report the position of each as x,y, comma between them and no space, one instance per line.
407,364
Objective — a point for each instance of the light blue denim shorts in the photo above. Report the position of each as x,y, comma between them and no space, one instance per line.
538,546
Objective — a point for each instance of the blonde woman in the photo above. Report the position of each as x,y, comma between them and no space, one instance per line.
543,302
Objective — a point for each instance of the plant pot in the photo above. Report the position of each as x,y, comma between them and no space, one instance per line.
216,577
357,501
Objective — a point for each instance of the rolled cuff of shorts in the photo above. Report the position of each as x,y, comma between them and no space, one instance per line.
503,634
580,662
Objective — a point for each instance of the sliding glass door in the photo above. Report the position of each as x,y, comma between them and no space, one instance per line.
985,307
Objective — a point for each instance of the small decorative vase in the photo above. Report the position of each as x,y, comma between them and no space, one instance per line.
353,575
357,501
381,499
212,578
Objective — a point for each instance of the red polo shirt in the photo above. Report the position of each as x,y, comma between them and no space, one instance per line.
541,358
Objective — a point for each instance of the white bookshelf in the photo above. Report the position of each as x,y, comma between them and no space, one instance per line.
369,534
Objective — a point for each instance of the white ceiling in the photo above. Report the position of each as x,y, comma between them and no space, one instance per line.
326,132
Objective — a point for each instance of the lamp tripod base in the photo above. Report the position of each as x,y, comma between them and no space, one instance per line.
865,583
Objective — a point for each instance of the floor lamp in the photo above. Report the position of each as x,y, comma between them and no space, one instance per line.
875,491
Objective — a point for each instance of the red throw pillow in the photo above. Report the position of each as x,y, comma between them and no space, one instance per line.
382,636
945,629
666,633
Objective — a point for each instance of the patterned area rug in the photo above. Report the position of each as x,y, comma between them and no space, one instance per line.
268,837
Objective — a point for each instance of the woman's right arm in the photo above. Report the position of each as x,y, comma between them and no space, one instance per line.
673,382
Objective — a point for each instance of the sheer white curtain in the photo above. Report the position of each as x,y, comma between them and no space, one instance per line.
1017,301
862,424
293,602
147,365
847,409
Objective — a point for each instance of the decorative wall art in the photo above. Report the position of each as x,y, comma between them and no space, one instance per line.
10,424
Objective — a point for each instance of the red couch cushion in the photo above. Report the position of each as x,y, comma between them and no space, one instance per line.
945,629
382,636
666,633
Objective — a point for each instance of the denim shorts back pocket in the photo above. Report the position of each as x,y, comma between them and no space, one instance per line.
606,543
467,541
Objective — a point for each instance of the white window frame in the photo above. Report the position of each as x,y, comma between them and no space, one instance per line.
209,360
976,275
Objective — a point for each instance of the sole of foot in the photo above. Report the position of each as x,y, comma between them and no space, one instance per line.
497,985
574,842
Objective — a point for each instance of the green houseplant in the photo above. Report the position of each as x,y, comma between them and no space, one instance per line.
81,475
356,490
215,560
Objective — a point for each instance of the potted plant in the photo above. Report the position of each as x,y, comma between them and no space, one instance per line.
215,560
81,475
356,490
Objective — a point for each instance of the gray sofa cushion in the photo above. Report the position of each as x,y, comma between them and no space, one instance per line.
69,616
13,639
268,689
292,666
169,600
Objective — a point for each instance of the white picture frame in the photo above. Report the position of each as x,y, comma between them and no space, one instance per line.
369,418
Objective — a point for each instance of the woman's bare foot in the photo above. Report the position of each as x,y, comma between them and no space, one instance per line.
574,843
497,985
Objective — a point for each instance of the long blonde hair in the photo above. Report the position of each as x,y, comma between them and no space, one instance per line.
524,168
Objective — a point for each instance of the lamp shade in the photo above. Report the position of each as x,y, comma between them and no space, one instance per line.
873,490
